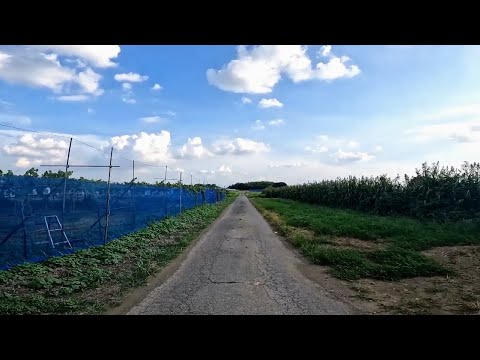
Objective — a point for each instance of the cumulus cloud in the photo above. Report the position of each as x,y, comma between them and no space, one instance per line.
276,122
268,103
336,67
246,100
96,55
28,65
239,146
345,156
258,125
130,77
153,148
259,68
32,149
152,119
157,87
194,148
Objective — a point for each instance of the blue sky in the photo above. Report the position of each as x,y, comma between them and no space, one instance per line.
235,113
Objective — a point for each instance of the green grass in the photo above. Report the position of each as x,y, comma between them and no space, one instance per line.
403,239
92,280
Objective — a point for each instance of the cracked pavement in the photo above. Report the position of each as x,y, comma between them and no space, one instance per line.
239,266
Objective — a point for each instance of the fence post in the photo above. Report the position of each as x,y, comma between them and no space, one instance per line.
108,198
66,176
180,192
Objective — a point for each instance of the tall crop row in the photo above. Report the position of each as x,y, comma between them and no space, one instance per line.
440,193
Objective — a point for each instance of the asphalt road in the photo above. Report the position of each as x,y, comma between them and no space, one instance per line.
239,266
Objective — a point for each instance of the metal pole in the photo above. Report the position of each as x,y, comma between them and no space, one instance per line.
66,176
180,192
191,180
133,190
108,198
165,192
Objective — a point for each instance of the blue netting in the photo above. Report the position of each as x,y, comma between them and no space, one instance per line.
27,204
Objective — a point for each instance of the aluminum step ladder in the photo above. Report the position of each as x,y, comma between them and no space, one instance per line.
60,228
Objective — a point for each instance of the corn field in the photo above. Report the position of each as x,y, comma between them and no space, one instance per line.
439,193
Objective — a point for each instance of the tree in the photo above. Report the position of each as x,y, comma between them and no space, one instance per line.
1,173
9,173
58,175
32,172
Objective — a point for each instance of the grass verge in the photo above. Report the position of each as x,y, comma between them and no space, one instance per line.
93,280
320,233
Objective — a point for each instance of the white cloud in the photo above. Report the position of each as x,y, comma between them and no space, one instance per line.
379,148
152,119
120,142
323,143
276,122
153,148
194,148
33,146
157,87
460,132
127,96
29,66
130,77
268,103
345,156
170,113
23,162
15,120
73,98
259,68
246,100
96,55
91,111
224,169
239,146
325,50
336,67
316,149
258,126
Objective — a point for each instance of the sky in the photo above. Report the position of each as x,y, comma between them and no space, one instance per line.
226,114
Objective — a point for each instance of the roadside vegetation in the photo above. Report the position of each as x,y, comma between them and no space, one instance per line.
93,280
370,251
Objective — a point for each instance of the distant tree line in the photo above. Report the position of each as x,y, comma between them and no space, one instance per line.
253,185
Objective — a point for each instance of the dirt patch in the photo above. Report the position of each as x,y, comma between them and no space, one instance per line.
352,243
456,294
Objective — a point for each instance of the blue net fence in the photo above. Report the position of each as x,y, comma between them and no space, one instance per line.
42,214
37,221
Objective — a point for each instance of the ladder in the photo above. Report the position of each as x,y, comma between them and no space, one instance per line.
60,228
